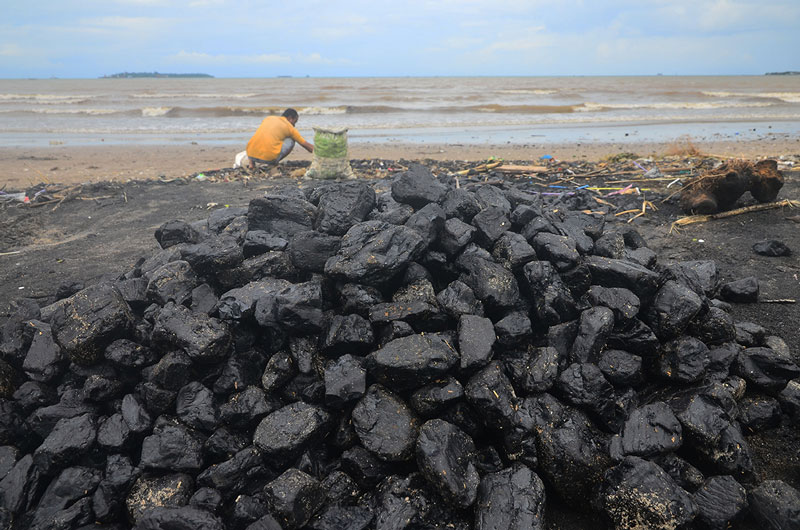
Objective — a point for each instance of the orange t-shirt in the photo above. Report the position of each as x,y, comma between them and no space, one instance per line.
268,139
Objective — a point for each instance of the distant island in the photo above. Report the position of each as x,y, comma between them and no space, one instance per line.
783,73
128,75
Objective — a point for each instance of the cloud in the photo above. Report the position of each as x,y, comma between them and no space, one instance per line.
11,50
128,24
343,27
200,58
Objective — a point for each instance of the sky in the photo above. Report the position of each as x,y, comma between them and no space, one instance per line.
344,38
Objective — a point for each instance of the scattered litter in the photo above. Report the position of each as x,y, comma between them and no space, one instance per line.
201,177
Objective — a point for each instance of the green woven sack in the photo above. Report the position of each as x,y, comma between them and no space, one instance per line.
331,160
330,144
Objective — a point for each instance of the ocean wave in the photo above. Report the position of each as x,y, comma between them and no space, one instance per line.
44,99
788,97
525,91
696,105
86,112
523,109
189,96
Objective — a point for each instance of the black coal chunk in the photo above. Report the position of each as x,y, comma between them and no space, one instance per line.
670,312
476,337
558,250
150,492
572,454
622,302
493,284
491,392
374,253
172,446
343,205
345,380
214,254
553,302
651,430
621,368
67,499
175,232
70,439
775,504
594,327
294,497
385,424
512,499
417,187
683,360
461,204
428,222
182,518
411,361
766,368
639,492
434,398
90,320
280,216
772,248
203,338
620,273
310,250
742,291
446,457
45,360
720,502
701,276
757,413
534,370
287,432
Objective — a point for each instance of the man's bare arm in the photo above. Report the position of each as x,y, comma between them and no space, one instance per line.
307,146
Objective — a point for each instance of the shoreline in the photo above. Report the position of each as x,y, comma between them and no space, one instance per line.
21,167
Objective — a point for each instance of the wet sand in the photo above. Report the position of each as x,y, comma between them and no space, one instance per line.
21,167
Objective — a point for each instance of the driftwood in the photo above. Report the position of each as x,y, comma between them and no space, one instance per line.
730,213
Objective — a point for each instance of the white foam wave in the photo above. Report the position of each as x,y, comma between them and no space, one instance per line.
594,107
90,112
318,111
524,91
155,111
44,99
789,97
192,96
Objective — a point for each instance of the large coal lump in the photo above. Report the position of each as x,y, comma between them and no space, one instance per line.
280,215
511,499
288,431
775,504
341,206
203,338
418,187
374,253
385,424
294,497
638,492
412,361
90,320
446,457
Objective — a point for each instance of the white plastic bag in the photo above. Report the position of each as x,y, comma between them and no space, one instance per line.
241,160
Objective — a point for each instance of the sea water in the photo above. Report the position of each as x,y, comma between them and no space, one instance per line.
462,110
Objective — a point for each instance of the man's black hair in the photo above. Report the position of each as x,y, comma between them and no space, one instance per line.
290,114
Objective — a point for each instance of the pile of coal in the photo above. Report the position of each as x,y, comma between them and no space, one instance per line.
424,356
